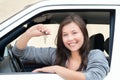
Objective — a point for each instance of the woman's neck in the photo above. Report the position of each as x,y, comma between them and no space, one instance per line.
74,61
75,55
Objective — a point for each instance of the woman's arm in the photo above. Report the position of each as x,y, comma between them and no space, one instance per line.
65,73
21,43
34,31
97,68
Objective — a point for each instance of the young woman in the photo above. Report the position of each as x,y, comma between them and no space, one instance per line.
72,59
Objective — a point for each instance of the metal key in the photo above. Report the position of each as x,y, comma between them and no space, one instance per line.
45,37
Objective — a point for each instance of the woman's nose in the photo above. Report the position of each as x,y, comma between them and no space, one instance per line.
70,37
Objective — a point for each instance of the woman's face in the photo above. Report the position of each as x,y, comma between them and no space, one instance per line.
72,37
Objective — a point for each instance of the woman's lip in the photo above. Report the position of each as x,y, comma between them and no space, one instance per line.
72,44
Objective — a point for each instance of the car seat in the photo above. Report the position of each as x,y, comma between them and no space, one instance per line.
97,41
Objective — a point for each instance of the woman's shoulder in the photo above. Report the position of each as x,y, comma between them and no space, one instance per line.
96,54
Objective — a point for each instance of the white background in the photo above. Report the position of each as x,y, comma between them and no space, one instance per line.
10,7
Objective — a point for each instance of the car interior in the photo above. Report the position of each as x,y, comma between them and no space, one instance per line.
98,26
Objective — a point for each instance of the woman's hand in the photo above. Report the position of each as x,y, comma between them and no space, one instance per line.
49,69
37,30
34,31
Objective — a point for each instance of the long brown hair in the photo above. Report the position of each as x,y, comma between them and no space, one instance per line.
62,53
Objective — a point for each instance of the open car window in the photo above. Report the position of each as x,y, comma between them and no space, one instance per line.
98,22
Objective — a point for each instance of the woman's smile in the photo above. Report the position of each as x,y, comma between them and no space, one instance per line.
72,44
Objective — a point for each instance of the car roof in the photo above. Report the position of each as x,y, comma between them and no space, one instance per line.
91,2
43,3
48,3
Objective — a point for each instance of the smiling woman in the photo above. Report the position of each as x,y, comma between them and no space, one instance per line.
71,55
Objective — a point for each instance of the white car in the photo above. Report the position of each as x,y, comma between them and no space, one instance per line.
103,24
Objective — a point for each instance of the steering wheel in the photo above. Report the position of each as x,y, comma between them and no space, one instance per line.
17,64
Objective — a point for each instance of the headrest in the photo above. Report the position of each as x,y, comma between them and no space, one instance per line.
97,41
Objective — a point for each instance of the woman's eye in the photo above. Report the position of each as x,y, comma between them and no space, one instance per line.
64,34
74,32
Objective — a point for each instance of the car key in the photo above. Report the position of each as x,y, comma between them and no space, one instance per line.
45,37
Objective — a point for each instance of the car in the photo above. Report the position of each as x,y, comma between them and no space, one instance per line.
102,18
